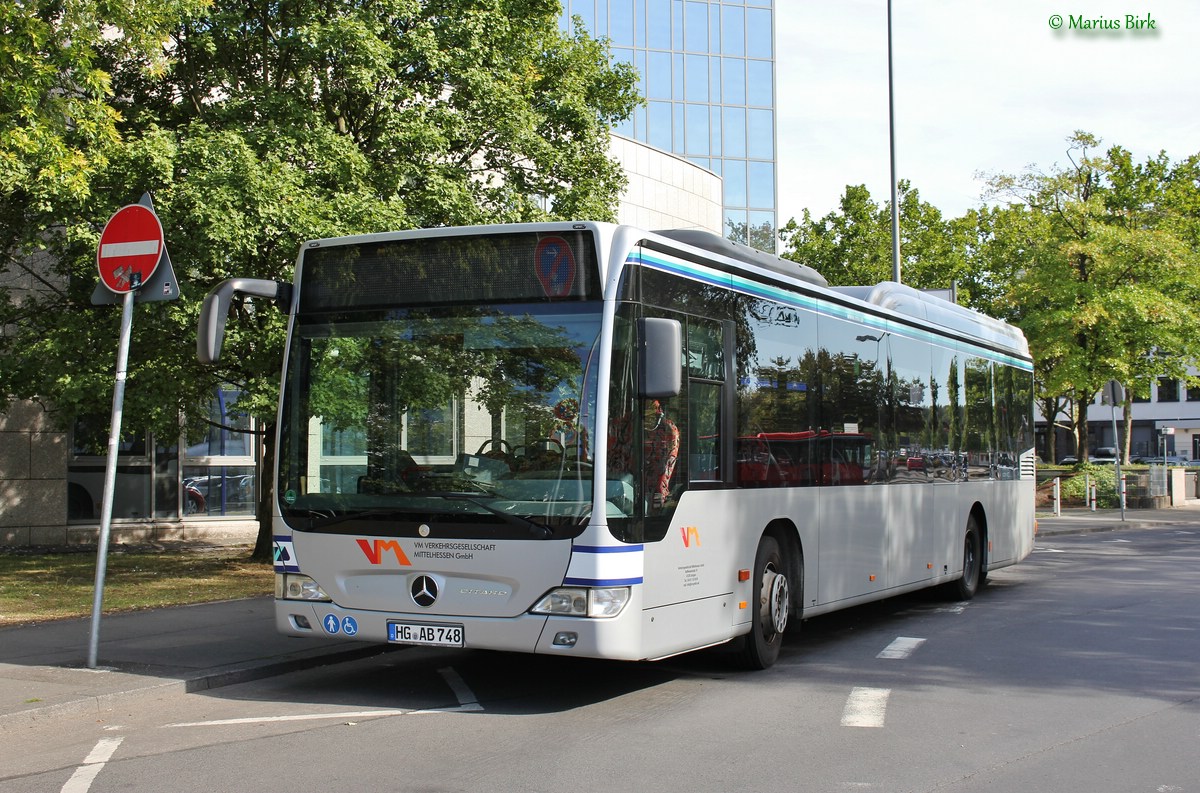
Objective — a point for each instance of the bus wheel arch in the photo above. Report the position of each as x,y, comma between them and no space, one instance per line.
980,516
773,595
788,537
974,565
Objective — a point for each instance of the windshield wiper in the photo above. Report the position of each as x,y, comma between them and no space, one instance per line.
536,530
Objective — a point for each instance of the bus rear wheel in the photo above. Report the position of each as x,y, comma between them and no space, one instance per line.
771,607
972,575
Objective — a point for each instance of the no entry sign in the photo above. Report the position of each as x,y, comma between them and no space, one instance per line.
132,242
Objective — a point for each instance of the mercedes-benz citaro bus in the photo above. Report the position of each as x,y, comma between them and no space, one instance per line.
586,439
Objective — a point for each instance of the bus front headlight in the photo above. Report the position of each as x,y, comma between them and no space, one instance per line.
292,586
583,602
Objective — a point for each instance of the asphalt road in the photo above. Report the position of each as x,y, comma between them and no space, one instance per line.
1078,670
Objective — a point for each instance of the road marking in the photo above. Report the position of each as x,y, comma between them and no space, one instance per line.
1048,550
957,608
902,647
467,701
85,775
459,687
866,707
351,714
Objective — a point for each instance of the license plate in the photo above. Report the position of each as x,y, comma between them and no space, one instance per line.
426,634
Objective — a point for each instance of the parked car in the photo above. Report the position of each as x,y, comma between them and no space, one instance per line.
1070,459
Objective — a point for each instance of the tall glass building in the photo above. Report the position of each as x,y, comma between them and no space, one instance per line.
708,74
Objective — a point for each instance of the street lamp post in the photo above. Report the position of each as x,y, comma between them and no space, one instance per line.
892,146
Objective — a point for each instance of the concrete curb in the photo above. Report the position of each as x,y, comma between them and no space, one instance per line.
205,681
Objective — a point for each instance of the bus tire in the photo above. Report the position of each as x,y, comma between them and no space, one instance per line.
771,607
972,575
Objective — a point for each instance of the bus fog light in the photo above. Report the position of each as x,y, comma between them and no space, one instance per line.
565,639
290,586
607,602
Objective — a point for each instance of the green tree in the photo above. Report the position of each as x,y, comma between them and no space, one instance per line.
1099,277
852,245
255,128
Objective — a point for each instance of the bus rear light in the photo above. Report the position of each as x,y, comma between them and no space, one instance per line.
583,602
291,586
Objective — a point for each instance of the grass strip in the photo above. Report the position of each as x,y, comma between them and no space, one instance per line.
35,587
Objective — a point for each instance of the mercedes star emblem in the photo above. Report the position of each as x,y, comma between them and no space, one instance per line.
424,591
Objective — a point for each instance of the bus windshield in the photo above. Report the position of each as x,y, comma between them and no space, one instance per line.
478,418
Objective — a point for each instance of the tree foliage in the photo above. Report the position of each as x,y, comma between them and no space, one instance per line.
255,128
852,245
1102,271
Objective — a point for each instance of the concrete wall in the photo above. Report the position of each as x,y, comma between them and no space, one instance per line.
666,191
33,478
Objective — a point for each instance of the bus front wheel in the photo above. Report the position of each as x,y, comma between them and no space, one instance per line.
972,575
771,607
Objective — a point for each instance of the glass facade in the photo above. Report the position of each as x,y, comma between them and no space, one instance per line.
218,469
707,72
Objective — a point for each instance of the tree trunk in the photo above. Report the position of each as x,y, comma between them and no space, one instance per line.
1081,429
263,545
1050,410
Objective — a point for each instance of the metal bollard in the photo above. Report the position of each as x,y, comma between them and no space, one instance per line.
1057,497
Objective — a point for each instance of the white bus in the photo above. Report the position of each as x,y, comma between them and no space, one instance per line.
591,440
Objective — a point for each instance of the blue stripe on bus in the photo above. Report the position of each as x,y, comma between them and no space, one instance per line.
602,581
607,548
799,300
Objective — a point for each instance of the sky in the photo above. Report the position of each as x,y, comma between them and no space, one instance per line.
980,88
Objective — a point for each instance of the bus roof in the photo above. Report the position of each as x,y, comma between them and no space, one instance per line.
921,308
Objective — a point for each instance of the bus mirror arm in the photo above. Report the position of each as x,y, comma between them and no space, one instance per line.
661,342
210,330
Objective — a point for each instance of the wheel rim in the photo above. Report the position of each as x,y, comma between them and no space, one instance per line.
774,602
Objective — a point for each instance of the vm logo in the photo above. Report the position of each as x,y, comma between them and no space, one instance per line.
690,534
374,551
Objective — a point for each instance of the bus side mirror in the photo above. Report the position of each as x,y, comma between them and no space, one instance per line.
210,331
661,363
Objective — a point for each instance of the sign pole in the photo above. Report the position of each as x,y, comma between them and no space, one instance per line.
131,254
110,469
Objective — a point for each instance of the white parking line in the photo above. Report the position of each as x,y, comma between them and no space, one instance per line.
902,647
85,775
459,687
866,707
351,714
